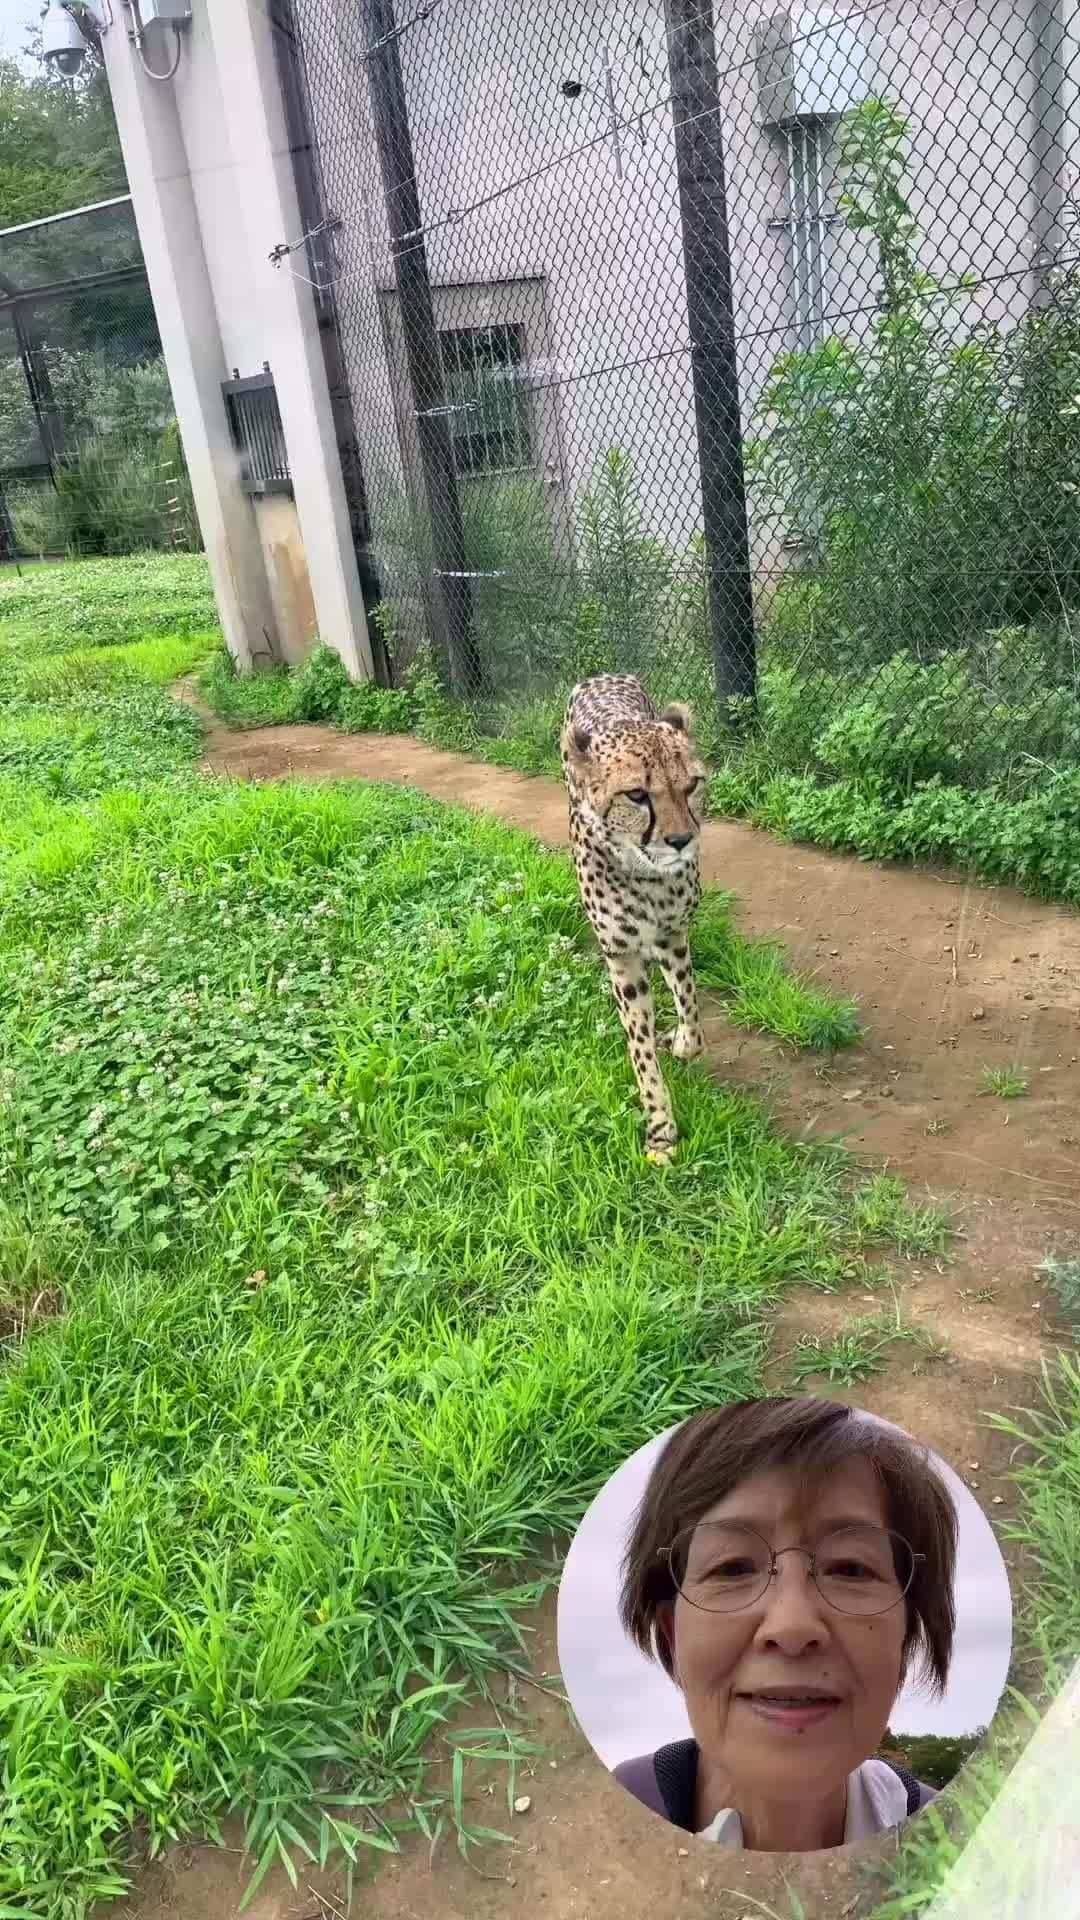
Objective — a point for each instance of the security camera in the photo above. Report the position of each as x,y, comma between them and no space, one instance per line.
63,43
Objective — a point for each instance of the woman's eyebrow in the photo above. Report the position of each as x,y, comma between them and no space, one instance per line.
757,1523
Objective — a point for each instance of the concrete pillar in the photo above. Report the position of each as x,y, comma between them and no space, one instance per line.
263,204
160,180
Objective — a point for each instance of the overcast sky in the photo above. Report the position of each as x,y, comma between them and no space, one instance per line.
14,15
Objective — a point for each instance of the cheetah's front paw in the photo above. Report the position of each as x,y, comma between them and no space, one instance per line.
686,1044
660,1151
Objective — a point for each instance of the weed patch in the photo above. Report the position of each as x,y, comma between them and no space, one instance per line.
1007,1083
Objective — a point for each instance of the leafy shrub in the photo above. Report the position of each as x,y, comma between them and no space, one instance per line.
125,402
368,708
437,718
124,485
1032,842
928,469
39,518
792,709
905,728
318,686
519,597
626,575
108,499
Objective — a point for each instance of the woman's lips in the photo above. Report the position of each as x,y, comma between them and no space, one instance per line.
792,1714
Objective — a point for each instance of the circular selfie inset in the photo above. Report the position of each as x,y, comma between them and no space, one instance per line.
765,1608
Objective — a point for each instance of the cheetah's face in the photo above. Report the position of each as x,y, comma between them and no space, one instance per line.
645,786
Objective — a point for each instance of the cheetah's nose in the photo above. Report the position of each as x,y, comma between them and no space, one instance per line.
678,840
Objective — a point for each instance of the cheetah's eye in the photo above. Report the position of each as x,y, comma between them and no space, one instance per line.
638,795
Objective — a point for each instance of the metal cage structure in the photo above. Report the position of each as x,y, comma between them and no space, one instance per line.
90,457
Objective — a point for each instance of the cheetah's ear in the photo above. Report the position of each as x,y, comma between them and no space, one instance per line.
581,738
676,715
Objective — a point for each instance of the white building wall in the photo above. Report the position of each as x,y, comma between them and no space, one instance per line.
483,86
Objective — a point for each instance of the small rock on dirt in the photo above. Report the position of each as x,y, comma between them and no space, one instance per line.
853,1093
522,1803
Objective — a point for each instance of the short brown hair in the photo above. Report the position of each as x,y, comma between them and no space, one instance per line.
711,1453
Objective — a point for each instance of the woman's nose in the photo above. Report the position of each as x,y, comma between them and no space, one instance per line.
793,1611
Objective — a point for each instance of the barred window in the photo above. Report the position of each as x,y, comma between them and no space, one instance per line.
490,425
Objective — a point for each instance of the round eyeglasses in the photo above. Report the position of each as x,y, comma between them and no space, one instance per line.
722,1568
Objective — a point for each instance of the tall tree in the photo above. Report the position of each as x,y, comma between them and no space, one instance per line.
58,142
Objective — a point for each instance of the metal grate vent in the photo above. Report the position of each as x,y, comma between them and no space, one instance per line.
257,432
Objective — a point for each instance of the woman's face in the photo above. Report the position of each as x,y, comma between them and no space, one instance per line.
789,1640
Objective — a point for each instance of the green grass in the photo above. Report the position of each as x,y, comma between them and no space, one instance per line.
155,663
845,1360
857,1352
319,1105
105,603
87,653
1006,1083
332,1278
248,700
760,991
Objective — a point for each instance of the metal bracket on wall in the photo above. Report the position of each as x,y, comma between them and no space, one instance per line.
333,224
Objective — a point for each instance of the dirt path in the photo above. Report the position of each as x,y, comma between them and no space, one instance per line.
950,978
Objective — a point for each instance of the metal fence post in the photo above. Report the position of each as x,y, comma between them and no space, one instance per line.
398,170
39,386
699,160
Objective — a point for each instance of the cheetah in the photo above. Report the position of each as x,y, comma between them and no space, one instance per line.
636,791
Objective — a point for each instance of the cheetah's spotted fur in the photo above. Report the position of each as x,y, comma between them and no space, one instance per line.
636,793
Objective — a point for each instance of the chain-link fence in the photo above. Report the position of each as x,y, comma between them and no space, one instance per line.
90,454
737,348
